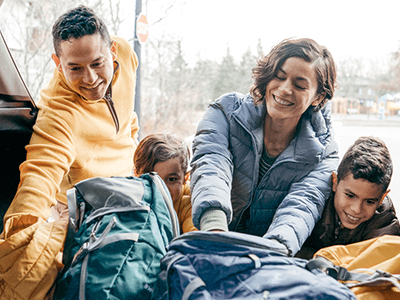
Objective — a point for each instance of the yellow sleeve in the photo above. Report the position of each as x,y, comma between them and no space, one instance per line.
50,154
185,211
31,257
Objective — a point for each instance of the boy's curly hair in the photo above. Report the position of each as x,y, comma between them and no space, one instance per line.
368,158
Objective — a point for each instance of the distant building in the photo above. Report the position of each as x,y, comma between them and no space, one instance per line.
355,95
360,95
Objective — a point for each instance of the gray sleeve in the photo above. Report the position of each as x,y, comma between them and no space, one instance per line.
212,164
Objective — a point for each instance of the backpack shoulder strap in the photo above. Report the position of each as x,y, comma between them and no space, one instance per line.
165,194
71,197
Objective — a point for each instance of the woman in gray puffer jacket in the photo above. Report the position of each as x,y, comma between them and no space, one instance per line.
262,162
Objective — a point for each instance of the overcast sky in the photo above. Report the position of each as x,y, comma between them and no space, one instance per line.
348,28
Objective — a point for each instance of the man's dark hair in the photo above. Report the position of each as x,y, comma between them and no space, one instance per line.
368,158
76,23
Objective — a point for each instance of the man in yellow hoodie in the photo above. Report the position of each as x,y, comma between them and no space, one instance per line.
86,126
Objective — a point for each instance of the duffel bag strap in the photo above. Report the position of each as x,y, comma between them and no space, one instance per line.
324,265
191,287
368,277
375,278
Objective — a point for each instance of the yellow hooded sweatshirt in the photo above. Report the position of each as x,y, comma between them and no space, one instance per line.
76,139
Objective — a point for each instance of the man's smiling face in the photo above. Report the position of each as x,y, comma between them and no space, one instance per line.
87,65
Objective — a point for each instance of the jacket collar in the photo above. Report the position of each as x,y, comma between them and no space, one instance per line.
312,141
251,116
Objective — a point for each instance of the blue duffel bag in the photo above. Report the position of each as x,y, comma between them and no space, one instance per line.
231,265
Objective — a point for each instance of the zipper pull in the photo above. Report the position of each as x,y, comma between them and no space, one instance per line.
82,207
113,112
93,244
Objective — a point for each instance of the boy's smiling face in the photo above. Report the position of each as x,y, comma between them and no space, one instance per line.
356,200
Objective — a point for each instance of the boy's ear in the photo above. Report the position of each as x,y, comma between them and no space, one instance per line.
334,181
187,176
135,172
57,61
114,49
383,197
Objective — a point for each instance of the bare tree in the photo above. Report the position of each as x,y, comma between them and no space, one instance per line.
165,88
349,72
390,81
27,28
161,8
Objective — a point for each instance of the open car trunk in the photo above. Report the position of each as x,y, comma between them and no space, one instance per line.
17,116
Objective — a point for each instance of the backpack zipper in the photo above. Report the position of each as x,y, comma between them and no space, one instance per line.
93,241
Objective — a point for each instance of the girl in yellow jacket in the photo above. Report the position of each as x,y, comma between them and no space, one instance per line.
168,156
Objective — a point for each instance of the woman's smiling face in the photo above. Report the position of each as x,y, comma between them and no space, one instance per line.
292,90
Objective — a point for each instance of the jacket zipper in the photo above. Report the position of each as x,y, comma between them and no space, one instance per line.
254,173
277,162
111,107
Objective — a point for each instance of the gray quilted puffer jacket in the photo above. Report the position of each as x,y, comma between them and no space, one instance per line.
289,199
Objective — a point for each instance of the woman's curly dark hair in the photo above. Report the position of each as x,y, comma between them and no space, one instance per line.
307,49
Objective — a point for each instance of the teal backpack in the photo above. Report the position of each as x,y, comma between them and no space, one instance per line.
119,230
